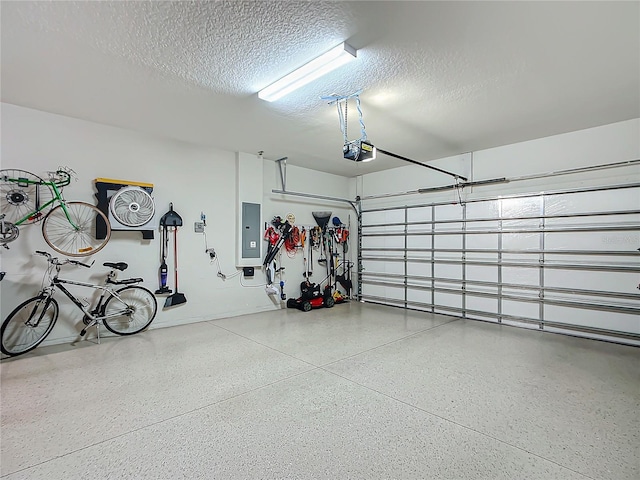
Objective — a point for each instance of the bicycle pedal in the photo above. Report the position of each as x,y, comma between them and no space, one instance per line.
83,332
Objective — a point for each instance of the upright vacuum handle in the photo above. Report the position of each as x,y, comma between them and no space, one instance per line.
175,257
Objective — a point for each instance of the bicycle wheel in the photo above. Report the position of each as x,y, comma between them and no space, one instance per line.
21,195
28,325
75,242
132,312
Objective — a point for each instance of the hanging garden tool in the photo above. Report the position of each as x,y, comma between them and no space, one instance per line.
172,220
309,261
345,278
330,255
341,237
322,219
322,260
164,244
277,235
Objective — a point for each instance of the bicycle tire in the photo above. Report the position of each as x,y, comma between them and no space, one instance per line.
16,337
143,308
72,242
19,200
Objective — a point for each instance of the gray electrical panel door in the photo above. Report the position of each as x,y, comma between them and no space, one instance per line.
250,230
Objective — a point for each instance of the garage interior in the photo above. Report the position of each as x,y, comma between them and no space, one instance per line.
492,327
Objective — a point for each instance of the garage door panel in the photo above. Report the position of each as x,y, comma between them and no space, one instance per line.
487,209
419,214
419,296
482,241
482,304
521,241
448,271
521,276
520,309
482,273
621,282
447,242
419,268
418,241
588,202
448,212
448,299
593,318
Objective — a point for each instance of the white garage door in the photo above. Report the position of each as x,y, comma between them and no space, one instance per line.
564,261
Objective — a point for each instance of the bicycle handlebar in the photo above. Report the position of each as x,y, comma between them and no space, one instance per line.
61,177
55,261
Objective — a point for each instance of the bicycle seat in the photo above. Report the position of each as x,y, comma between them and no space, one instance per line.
118,266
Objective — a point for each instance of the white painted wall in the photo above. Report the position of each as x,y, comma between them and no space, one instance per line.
196,179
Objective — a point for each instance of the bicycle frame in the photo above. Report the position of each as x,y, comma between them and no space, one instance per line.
56,186
59,283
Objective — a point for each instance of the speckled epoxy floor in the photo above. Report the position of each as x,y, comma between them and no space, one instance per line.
358,391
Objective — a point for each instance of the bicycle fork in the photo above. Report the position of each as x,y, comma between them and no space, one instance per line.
46,300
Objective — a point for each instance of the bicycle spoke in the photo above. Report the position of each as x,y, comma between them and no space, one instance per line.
76,241
22,195
65,236
141,308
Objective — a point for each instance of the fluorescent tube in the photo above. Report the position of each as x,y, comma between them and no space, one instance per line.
325,63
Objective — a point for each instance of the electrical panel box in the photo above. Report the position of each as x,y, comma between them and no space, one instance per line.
250,230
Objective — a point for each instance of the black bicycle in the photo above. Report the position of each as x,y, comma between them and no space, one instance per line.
124,311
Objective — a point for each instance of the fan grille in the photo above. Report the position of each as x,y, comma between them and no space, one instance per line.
132,206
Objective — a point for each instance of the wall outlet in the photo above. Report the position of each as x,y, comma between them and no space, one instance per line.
248,271
198,227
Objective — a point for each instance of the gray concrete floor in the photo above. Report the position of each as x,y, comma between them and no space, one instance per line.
357,391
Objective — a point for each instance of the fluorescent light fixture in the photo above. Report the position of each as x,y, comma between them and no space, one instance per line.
325,63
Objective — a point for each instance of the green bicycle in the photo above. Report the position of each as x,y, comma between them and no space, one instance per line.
68,227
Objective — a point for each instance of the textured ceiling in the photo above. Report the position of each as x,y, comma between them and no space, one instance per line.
438,78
